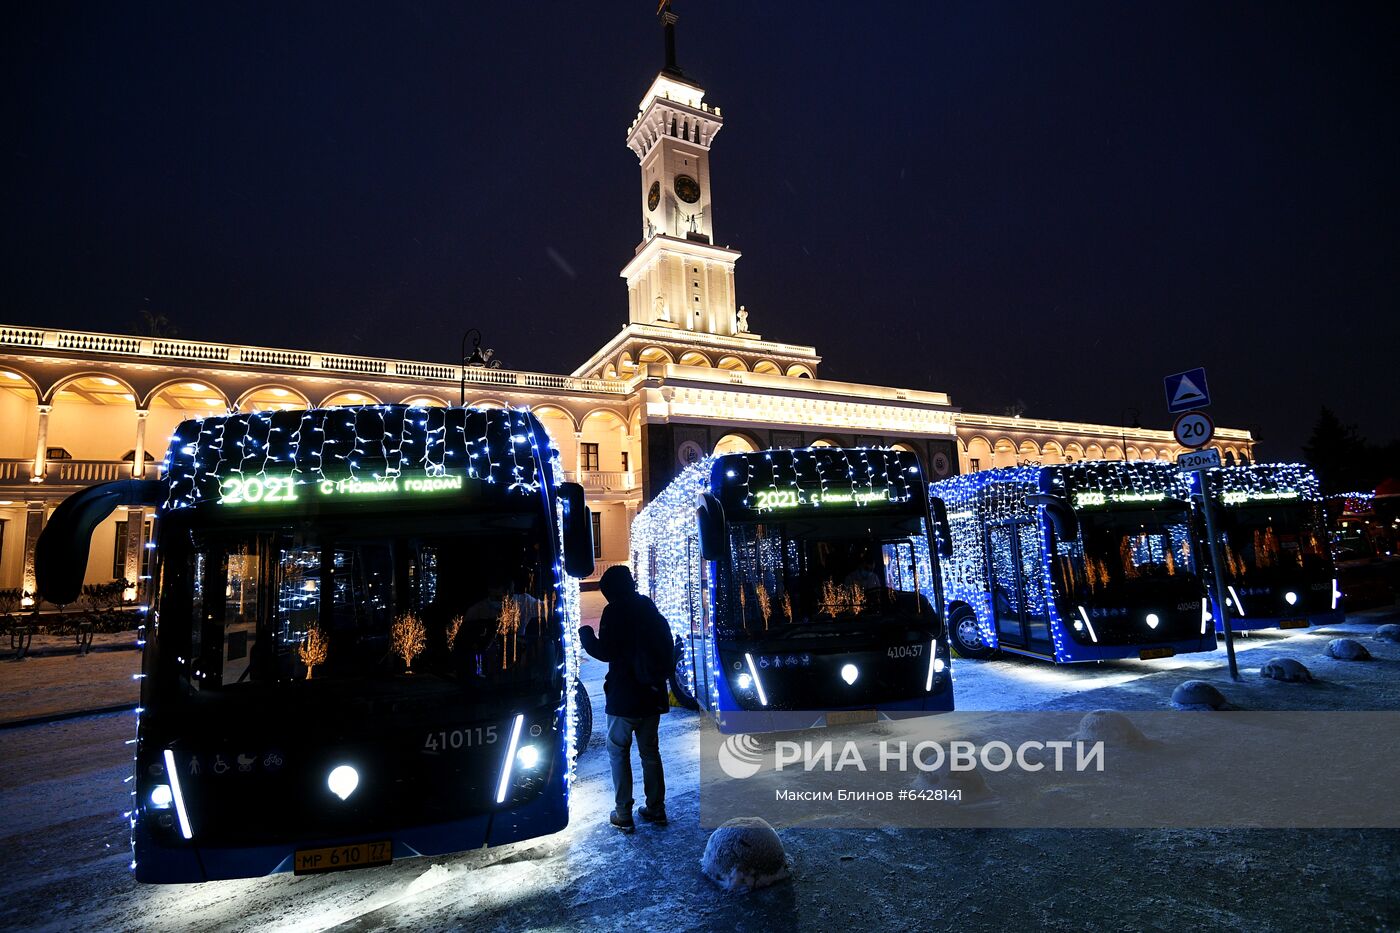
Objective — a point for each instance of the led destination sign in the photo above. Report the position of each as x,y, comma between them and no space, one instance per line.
1241,497
769,499
238,490
1092,499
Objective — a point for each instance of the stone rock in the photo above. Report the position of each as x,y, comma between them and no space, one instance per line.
1347,649
744,854
1110,727
1286,670
1388,633
1197,694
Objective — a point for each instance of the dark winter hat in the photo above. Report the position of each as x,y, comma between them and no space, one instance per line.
617,582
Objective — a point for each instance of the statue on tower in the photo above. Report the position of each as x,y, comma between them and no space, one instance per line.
743,319
658,308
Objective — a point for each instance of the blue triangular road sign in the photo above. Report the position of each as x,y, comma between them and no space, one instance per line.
1187,391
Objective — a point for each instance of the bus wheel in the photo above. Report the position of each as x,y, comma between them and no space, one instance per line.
967,637
681,694
583,718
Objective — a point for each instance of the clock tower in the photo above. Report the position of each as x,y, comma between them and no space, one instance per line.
679,276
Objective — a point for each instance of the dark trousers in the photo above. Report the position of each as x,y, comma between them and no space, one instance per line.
620,731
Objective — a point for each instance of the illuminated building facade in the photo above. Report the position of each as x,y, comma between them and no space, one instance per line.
687,376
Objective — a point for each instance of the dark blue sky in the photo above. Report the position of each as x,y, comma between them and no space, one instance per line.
1051,202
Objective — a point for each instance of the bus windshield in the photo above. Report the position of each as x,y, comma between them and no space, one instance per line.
795,578
400,606
1268,543
1121,550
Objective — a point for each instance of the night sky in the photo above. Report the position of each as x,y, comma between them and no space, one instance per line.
1046,203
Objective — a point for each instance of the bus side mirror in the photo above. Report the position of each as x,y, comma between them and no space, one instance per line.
1061,515
941,528
578,531
61,554
709,517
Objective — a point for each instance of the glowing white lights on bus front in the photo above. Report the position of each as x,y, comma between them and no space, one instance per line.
1291,598
849,673
758,684
509,764
343,780
180,813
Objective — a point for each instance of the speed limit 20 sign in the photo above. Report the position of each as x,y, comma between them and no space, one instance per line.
1194,429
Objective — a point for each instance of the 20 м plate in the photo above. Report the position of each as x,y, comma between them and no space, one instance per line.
340,858
1149,654
1293,623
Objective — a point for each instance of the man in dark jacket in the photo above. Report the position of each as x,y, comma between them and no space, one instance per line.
627,638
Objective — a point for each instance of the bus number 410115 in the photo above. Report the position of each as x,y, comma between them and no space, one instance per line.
458,738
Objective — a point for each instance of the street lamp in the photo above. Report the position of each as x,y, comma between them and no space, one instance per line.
479,359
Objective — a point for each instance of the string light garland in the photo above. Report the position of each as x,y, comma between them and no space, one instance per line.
665,548
375,450
977,501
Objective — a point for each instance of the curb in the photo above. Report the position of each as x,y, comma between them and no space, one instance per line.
66,652
60,717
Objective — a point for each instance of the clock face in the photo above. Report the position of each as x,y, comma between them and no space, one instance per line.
687,189
654,196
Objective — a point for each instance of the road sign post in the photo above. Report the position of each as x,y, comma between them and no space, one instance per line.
1187,393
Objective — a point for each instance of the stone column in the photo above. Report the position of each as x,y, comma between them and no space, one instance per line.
41,445
578,456
33,524
138,466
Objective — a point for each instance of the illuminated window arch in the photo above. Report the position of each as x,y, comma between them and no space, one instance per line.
654,355
1149,453
732,363
349,397
1028,451
425,401
272,398
1113,452
1004,453
979,454
767,367
695,358
798,371
823,442
1073,452
1093,452
735,444
1051,452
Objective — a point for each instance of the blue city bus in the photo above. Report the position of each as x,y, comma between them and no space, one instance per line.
800,586
1276,557
1082,561
360,638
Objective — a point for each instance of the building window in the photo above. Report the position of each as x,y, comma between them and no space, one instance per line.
597,519
57,453
625,467
975,464
589,457
119,553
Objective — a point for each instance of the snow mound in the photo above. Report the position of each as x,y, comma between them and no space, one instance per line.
1388,633
1197,694
1111,727
1287,670
1347,649
745,854
971,783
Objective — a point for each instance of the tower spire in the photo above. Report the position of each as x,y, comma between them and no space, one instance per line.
668,23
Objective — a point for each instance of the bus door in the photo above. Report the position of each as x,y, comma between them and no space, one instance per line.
698,610
1017,579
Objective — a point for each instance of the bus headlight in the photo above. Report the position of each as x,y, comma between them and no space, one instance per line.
343,780
1153,620
745,681
849,673
161,797
527,757
1291,598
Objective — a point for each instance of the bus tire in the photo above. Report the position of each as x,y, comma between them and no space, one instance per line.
583,719
967,637
680,693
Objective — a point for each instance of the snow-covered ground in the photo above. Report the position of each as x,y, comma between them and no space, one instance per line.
63,843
